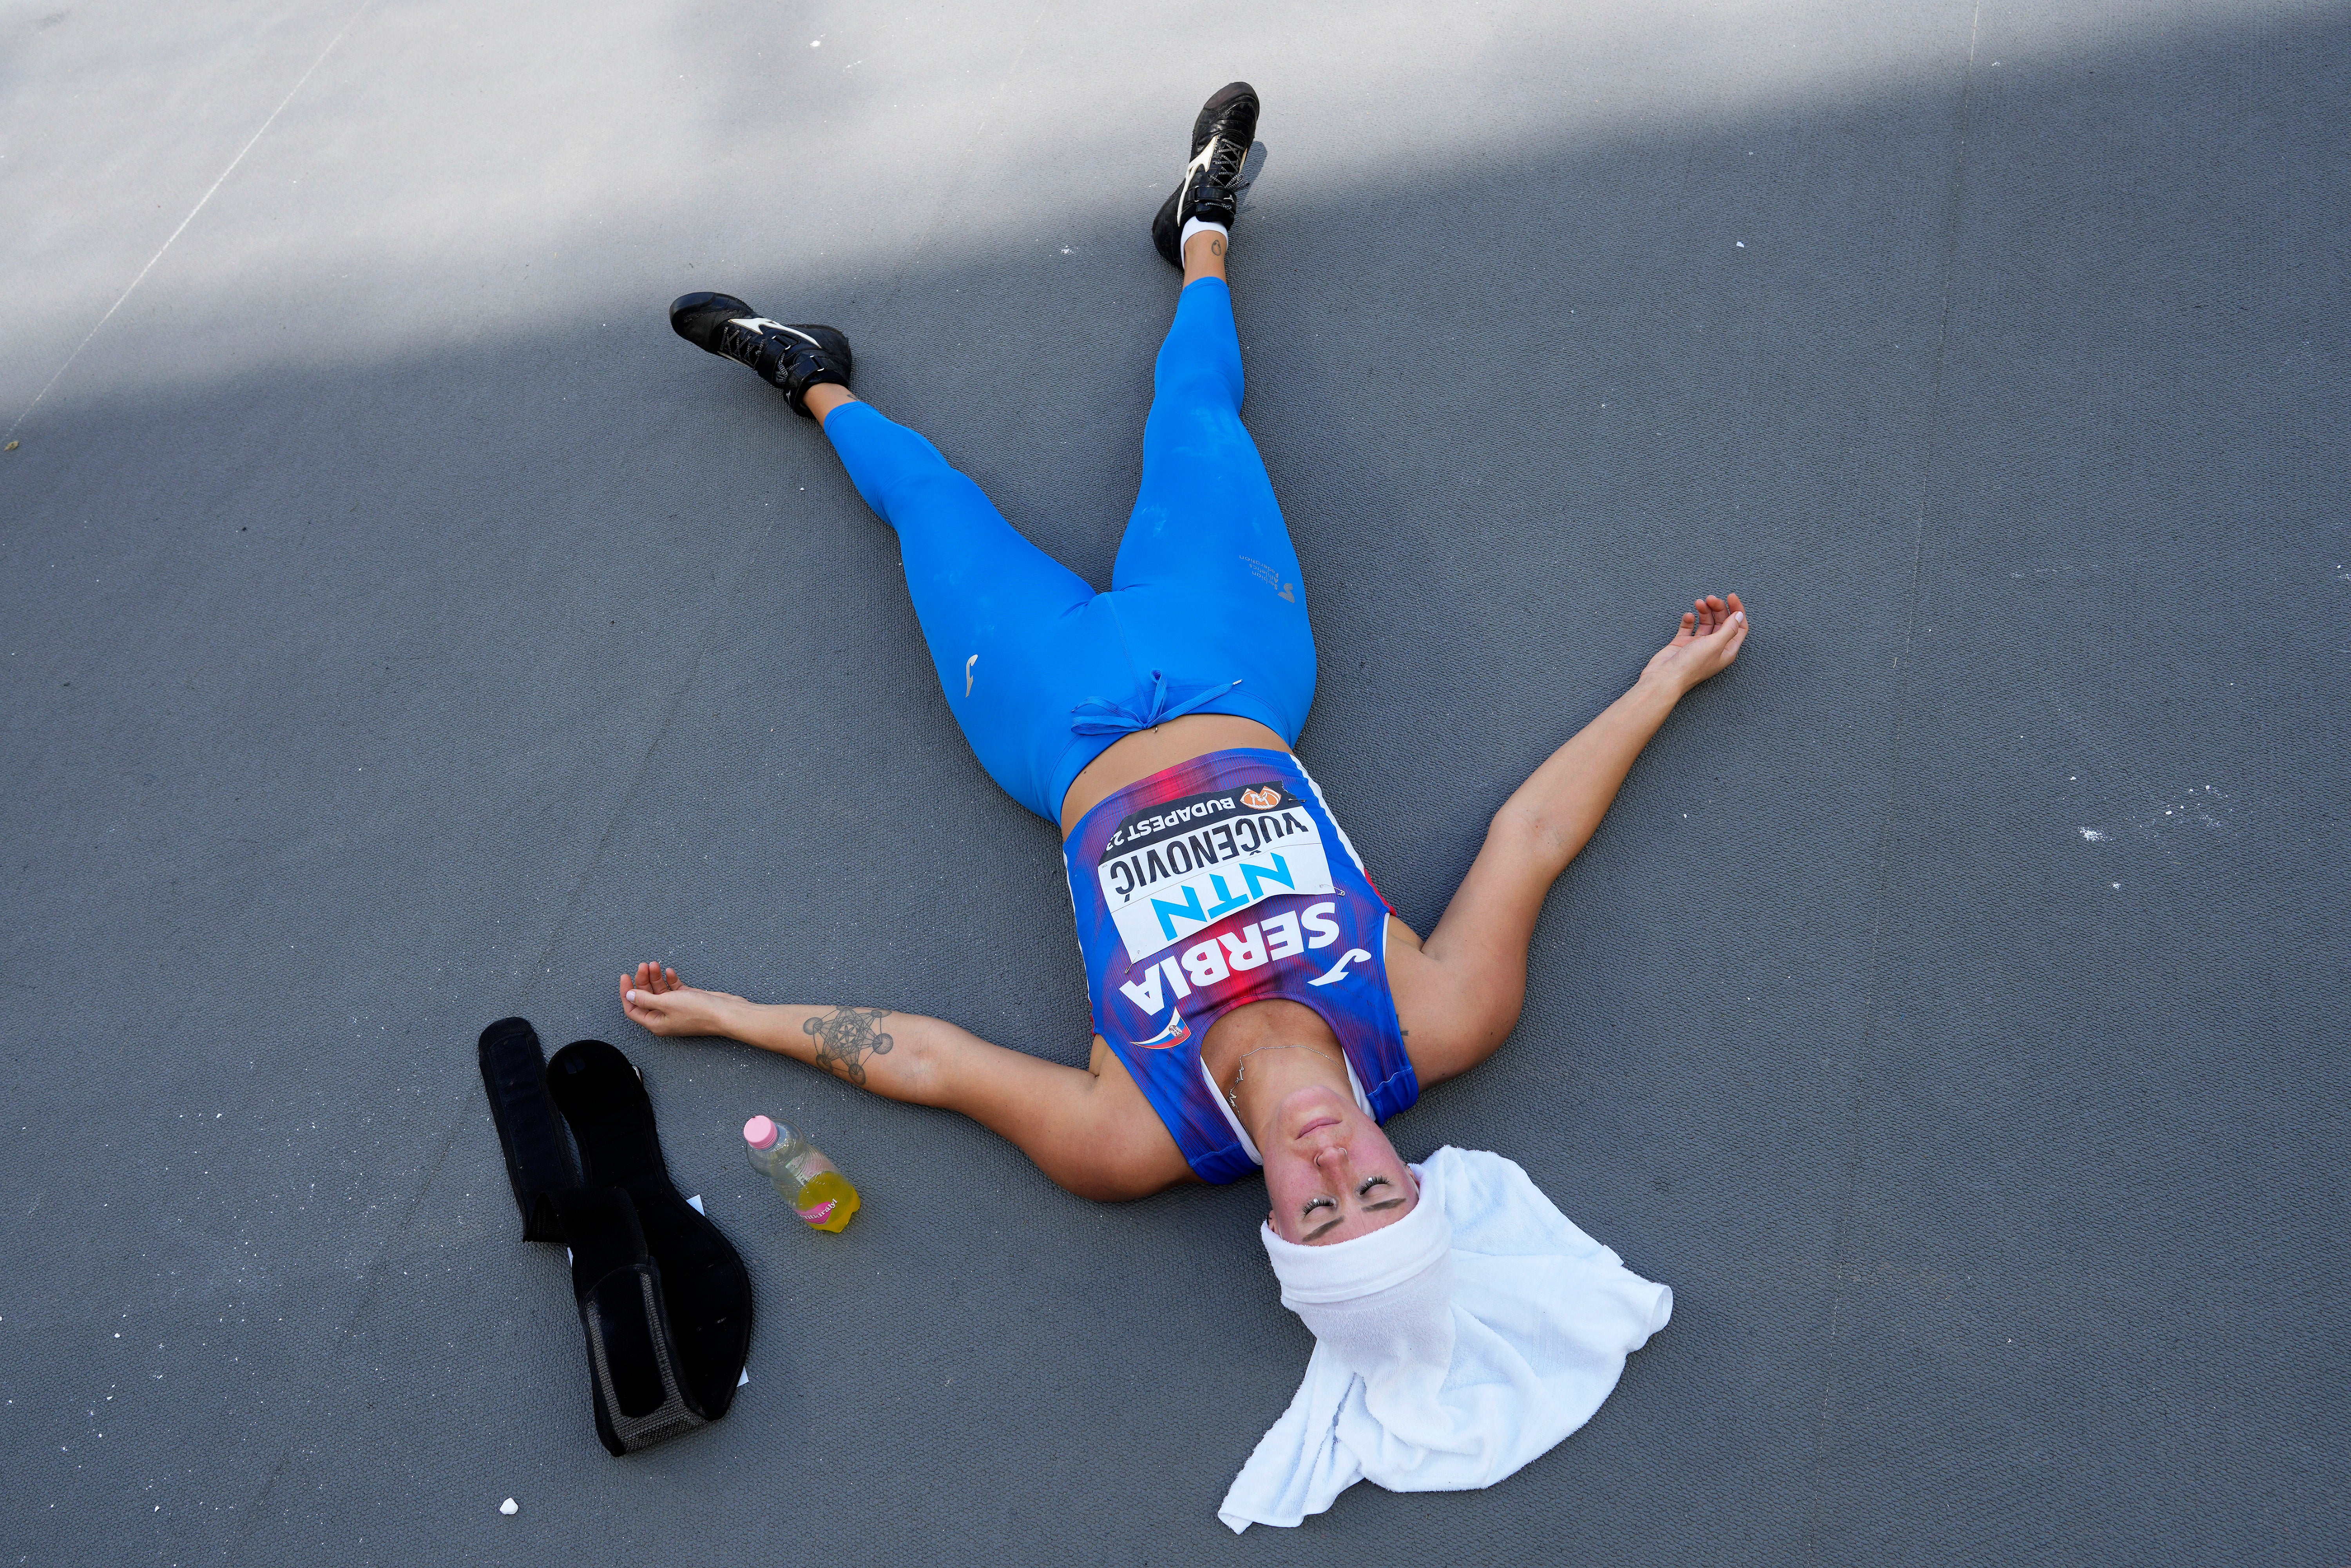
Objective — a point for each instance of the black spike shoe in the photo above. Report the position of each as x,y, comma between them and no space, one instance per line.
1210,188
793,358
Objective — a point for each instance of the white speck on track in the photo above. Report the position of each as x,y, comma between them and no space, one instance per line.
2094,836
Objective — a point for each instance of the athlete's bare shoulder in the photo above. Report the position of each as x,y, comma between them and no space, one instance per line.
1131,1137
1425,1001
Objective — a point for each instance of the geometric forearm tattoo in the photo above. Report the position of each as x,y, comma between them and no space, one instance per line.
845,1038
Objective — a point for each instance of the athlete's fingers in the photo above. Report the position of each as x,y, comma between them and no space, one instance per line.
1713,652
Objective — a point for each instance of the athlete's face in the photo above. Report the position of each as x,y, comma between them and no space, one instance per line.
1331,1173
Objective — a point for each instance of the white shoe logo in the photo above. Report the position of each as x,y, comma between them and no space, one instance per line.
760,324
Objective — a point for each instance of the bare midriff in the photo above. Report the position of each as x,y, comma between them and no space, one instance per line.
1149,751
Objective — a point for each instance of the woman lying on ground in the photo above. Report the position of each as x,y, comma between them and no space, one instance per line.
1254,998
1256,1003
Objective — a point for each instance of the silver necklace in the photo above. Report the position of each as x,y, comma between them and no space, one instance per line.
1233,1095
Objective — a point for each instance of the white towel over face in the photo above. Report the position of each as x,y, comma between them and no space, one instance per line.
1450,1348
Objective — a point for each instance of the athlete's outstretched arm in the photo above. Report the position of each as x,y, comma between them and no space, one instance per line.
1460,995
1089,1130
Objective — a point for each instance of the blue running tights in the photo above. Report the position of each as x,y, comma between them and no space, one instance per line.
1206,612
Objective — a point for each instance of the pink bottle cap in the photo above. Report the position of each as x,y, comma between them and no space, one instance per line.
760,1132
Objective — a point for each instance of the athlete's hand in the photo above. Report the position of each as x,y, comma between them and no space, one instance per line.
658,1000
1709,639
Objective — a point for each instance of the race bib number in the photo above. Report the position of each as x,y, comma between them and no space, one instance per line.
1171,870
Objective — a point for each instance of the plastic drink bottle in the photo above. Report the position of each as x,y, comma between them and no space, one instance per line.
811,1183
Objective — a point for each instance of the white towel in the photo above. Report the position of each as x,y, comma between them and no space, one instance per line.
1450,1348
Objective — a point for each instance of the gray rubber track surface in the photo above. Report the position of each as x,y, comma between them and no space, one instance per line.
402,629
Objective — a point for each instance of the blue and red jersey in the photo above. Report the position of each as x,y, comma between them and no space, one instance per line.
1217,882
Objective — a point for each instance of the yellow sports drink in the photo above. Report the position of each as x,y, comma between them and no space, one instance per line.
811,1183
